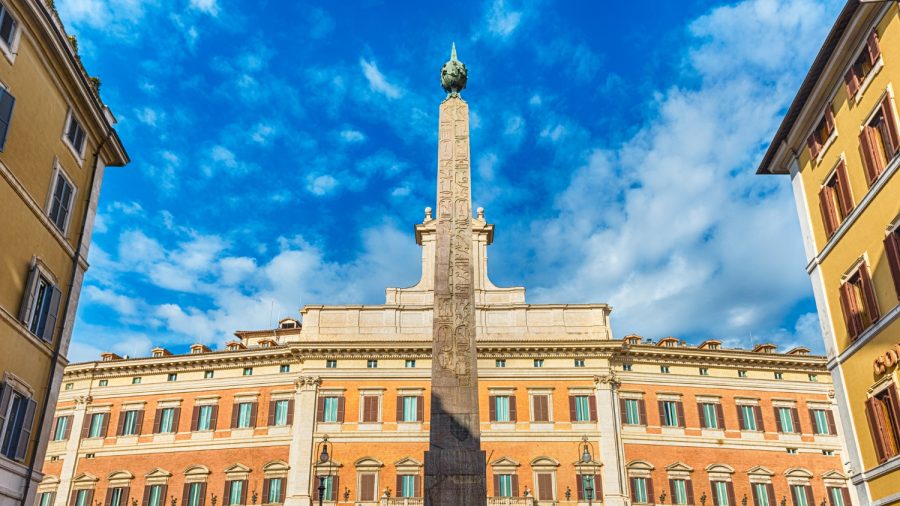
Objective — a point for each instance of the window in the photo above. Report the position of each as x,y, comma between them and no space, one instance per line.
136,380
502,408
281,412
407,485
626,366
276,489
704,371
587,487
248,371
83,497
641,490
664,369
883,412
812,377
372,364
130,425
892,253
722,493
70,386
246,415
61,431
205,417
579,362
539,362
858,302
504,485
61,201
879,140
104,383
711,415
331,364
410,364
863,65
816,140
681,490
98,425
410,408
500,362
371,405
828,453
671,414
155,495
47,499
41,305
835,199
329,483
540,408
172,377
235,492
117,496
787,420
582,408
633,412
544,487
749,417
331,409
791,451
7,28
802,495
742,373
166,418
367,485
822,421
195,494
838,496
90,455
75,135
7,103
779,375
206,375
763,494
284,368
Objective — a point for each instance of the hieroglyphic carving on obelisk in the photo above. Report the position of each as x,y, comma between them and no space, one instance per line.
454,462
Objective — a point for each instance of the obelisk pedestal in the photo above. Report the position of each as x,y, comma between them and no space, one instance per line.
454,462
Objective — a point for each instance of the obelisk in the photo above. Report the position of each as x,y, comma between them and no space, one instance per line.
454,462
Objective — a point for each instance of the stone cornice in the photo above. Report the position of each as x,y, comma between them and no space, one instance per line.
729,358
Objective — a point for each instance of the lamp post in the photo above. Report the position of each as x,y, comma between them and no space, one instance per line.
323,458
586,458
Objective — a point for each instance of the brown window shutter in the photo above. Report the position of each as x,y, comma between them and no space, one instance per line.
244,488
729,486
592,405
253,412
829,119
367,482
720,416
893,404
120,423
662,413
622,414
598,488
186,494
515,485
770,490
701,418
812,420
715,496
139,423
876,428
845,196
226,497
809,494
829,416
267,483
320,409
146,499
496,485
872,47
283,491
417,486
108,498
672,489
399,412
290,413
579,486
195,418
340,413
740,416
813,144
175,417
871,159
85,425
847,307
795,417
270,419
778,423
892,252
69,426
420,413
868,290
492,409
368,413
104,427
235,410
689,488
642,411
545,487
213,417
512,409
650,495
845,493
890,119
399,486
852,82
679,408
760,425
830,498
829,219
156,419
202,494
632,487
541,408
572,408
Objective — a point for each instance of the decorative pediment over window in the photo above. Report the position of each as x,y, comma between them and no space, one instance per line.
85,480
157,476
798,476
119,479
760,474
408,465
544,463
834,478
592,467
329,468
639,468
237,472
368,463
194,474
504,465
720,472
679,470
48,484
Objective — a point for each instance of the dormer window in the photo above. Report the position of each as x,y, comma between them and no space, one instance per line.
288,323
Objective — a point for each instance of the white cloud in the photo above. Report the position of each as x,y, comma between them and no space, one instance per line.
223,159
377,81
122,304
321,185
502,21
352,136
262,133
210,7
147,116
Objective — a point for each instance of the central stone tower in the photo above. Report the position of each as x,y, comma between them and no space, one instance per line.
454,462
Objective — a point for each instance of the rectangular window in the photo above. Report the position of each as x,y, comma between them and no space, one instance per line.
779,375
816,140
275,493
409,409
70,386
679,491
626,367
838,496
244,417
372,364
136,380
500,363
761,496
61,201
813,378
97,425
505,482
42,306
709,415
248,371
720,494
800,496
328,493
155,496
742,373
407,486
822,421
62,428
879,140
791,451
670,413
47,499
370,405
409,364
284,368
83,497
539,362
235,492
367,487
786,420
862,65
204,417
104,383
194,497
129,422
587,487
883,413
664,369
7,28
75,135
7,104
639,490
704,371
331,364
748,417
582,404
331,409
540,408
892,254
172,377
116,497
501,408
835,199
281,411
207,375
858,302
632,412
579,362
166,420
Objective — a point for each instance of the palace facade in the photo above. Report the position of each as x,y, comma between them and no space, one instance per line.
840,144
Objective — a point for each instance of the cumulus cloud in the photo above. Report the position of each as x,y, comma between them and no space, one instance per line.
502,21
377,81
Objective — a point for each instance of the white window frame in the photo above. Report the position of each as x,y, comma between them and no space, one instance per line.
12,49
79,155
41,272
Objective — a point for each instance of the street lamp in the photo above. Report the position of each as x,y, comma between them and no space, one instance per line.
323,458
586,458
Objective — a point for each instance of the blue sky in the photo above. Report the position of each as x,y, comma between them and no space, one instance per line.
282,152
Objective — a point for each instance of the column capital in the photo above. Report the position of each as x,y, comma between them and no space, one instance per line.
83,400
307,382
609,378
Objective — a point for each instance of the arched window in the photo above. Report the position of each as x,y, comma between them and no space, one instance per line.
194,493
368,471
544,469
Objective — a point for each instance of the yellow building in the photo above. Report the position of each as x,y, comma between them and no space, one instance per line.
840,142
56,138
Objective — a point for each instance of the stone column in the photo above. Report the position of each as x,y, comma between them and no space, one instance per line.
299,490
611,450
70,459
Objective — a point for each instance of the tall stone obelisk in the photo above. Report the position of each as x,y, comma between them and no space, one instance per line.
454,462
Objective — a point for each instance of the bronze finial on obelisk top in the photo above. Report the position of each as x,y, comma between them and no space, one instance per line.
454,463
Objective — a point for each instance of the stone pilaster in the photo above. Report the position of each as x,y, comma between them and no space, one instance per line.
611,450
70,459
299,488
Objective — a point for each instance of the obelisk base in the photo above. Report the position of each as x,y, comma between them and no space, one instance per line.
455,478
